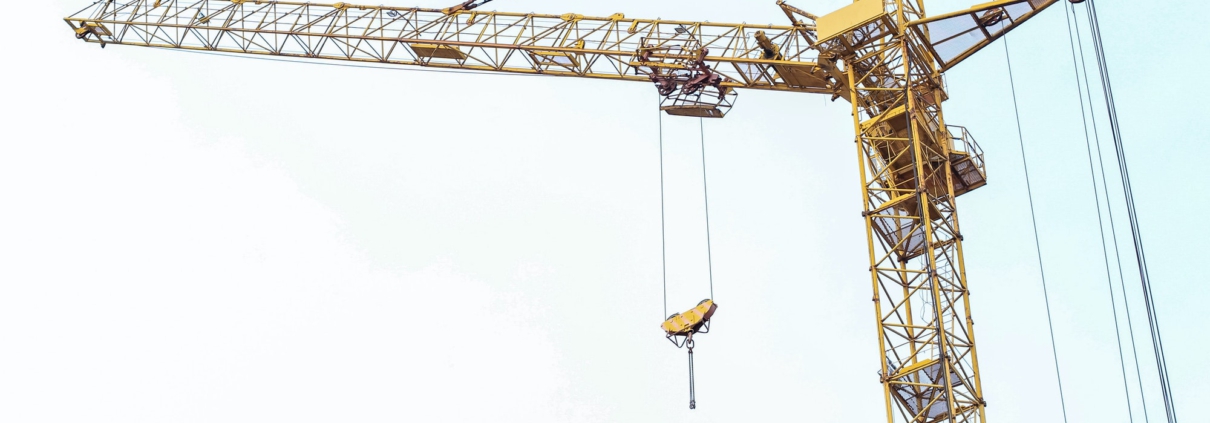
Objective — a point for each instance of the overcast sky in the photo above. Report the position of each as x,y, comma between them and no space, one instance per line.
191,238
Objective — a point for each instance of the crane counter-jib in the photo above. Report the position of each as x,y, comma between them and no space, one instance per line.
613,47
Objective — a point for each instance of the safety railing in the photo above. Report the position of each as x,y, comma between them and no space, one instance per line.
970,170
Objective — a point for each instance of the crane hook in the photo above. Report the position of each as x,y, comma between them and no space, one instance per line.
692,394
682,327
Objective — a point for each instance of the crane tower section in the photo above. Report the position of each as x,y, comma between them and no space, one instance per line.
885,57
913,166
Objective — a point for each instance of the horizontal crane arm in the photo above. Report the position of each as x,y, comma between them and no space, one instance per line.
560,45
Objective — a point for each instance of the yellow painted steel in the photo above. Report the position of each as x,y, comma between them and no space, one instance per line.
913,166
960,34
849,18
689,321
594,47
883,56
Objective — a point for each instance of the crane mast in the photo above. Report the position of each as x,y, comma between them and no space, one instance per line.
885,57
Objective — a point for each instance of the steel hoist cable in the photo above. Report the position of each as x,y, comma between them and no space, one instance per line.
663,215
1100,220
706,197
1034,219
706,308
1113,231
1136,233
709,255
663,234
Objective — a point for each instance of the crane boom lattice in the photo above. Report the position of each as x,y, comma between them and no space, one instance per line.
885,57
557,45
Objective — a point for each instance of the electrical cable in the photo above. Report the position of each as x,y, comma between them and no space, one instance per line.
1100,220
1140,255
706,196
1117,251
1033,218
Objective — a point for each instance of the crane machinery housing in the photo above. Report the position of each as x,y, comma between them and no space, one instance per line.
885,57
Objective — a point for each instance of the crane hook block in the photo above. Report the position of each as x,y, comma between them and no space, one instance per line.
681,327
691,321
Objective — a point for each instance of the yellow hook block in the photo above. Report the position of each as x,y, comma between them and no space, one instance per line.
690,321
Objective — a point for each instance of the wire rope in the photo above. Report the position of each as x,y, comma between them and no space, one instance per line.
706,197
1140,255
1117,251
1100,220
1034,219
663,234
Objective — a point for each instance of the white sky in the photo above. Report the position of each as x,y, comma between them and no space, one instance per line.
192,238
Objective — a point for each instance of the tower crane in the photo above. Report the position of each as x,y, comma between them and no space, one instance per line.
884,57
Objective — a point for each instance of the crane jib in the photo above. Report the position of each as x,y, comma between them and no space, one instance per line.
557,45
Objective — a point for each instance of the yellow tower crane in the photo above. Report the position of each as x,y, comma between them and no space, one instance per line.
885,57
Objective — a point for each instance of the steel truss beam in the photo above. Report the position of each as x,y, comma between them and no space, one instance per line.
557,45
908,160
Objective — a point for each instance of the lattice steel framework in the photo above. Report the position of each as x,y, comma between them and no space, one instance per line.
913,166
558,45
884,56
929,363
